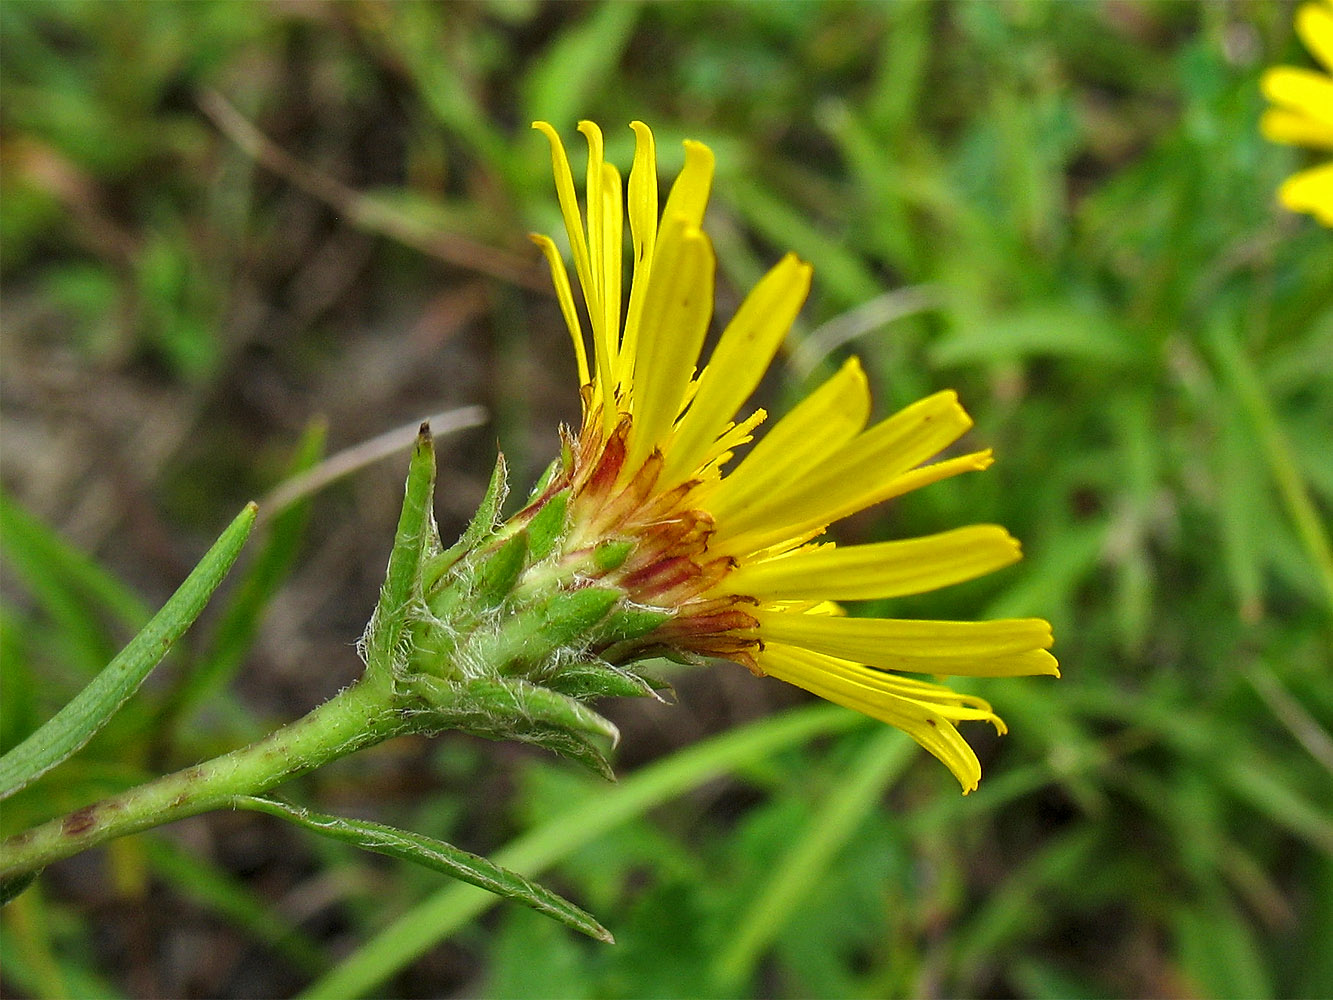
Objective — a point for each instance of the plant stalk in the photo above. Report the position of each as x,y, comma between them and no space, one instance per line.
357,717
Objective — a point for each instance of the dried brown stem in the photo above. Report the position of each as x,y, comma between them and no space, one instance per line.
367,213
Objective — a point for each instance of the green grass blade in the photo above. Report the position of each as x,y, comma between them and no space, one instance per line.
1056,329
1257,782
437,856
439,916
1282,466
576,65
844,276
19,683
21,529
62,580
812,851
31,960
1219,955
74,725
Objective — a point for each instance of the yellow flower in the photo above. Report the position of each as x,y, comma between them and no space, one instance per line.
732,553
1303,115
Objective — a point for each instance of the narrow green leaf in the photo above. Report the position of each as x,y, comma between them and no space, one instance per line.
437,856
75,724
45,949
587,819
1218,951
1244,515
1262,786
843,274
30,964
1045,980
18,681
414,523
12,888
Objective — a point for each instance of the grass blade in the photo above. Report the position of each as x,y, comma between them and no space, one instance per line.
1282,466
74,725
811,854
62,580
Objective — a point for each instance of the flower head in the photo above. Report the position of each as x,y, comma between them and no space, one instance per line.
727,548
1303,112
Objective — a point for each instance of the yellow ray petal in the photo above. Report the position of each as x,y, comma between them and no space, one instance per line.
953,705
857,475
708,472
1310,191
1301,90
1314,23
921,721
593,191
676,311
914,479
604,335
565,296
884,569
569,206
1006,648
829,417
743,354
689,194
643,231
643,195
1295,129
613,234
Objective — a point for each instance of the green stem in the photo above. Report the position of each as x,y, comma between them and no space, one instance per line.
362,715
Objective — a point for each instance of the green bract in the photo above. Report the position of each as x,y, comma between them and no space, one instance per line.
504,635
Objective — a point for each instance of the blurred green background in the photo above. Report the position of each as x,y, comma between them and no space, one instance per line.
236,236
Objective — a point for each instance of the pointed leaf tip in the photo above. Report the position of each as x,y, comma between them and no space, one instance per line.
436,855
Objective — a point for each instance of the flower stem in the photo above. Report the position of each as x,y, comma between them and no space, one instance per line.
360,716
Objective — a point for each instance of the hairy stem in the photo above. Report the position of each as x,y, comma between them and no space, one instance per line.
357,717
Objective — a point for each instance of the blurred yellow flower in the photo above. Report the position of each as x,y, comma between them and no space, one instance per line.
732,554
1303,112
